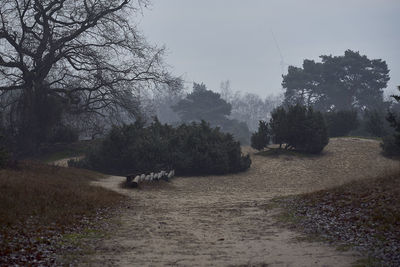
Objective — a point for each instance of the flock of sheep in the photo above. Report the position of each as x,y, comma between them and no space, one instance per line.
135,179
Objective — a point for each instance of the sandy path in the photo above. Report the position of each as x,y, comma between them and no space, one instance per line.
224,220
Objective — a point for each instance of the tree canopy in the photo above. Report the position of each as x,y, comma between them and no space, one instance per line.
85,56
300,128
247,107
347,82
394,120
391,143
202,104
189,149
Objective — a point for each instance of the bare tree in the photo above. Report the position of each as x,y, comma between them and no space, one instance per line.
249,108
85,54
162,102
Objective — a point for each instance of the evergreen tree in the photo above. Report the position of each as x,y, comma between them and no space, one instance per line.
342,122
299,128
391,144
189,149
260,139
375,123
347,82
203,104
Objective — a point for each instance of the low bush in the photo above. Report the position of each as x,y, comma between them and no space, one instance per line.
200,149
3,154
260,139
238,129
300,128
63,134
341,123
390,147
190,149
391,144
3,158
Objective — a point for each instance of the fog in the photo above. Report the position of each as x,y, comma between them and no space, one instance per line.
199,133
212,41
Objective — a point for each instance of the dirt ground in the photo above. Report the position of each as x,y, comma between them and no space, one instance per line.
225,220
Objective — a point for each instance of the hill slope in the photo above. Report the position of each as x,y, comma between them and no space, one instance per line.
226,220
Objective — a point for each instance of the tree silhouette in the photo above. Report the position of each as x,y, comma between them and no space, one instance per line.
395,121
347,82
203,104
83,54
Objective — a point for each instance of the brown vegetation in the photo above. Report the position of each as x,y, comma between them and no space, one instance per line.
364,214
38,203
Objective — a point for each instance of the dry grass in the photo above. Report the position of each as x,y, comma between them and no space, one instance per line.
51,193
276,152
39,203
363,213
378,199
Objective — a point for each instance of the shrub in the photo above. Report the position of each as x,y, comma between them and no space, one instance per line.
389,146
3,153
205,150
63,134
316,133
3,157
279,125
299,128
341,123
238,129
375,123
190,149
260,139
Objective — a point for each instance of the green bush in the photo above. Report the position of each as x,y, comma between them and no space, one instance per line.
375,124
299,128
200,149
238,129
63,134
3,154
203,104
391,144
260,139
390,147
190,149
341,123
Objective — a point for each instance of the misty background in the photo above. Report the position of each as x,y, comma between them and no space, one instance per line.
213,41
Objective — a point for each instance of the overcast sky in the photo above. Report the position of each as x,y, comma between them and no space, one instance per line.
215,40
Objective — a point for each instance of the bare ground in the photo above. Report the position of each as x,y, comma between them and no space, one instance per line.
226,220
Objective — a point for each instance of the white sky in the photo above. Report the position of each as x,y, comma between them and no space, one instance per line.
215,40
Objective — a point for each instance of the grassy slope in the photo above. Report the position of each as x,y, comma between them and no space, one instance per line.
39,203
364,214
51,153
